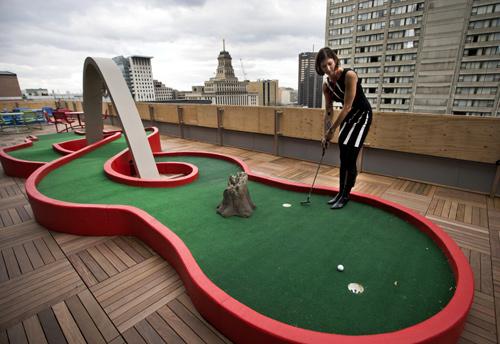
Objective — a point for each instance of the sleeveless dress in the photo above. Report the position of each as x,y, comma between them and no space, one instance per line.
354,127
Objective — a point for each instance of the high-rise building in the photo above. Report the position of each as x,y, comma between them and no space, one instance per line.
162,92
437,56
266,90
288,96
9,86
310,83
138,75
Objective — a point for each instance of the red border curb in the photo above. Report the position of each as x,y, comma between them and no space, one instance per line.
14,167
237,321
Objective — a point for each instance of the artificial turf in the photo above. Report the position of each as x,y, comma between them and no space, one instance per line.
42,150
282,261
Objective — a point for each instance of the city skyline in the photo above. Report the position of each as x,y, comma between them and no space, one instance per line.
46,45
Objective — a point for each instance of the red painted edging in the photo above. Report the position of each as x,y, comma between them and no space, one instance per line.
235,320
14,167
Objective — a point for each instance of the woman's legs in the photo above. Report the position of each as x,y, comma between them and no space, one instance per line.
342,178
348,174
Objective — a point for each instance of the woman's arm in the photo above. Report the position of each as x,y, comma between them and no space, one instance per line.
328,117
351,79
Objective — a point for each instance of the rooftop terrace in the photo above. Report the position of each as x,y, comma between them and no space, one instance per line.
116,289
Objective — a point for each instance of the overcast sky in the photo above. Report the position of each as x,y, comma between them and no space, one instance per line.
46,42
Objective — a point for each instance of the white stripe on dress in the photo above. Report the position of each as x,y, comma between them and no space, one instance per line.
352,129
343,126
336,84
360,135
331,89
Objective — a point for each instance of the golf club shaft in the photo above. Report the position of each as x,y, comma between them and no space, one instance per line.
316,175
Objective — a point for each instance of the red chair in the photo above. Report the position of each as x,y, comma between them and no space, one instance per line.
59,117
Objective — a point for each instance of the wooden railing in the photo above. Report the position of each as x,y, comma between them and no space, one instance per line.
458,137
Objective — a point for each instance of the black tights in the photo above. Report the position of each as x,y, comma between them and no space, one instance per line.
348,170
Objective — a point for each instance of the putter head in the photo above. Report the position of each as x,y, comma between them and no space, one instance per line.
307,201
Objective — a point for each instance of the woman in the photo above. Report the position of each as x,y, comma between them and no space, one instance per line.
343,85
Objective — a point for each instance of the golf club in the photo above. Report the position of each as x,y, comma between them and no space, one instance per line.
308,200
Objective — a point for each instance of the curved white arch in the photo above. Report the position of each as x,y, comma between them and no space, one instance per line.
99,72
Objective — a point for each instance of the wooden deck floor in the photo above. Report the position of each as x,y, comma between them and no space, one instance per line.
57,288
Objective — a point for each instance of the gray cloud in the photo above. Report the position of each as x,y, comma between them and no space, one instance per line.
46,42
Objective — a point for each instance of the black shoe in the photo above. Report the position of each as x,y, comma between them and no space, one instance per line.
335,199
340,203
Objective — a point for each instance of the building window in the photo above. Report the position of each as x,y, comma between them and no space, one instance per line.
481,24
369,49
479,10
401,57
479,77
476,90
473,103
407,8
405,21
372,3
372,15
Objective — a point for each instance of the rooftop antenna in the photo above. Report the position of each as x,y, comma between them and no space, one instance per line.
223,44
313,48
243,70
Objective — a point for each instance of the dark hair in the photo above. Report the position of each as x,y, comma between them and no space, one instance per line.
323,54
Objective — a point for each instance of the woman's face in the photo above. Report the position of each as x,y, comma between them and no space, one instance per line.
328,66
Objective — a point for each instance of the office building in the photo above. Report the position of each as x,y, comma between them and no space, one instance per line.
266,90
310,83
436,56
287,96
162,92
9,86
224,88
138,75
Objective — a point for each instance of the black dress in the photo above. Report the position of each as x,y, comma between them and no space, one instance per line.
354,127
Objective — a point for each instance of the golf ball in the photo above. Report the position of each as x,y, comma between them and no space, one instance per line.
287,205
340,267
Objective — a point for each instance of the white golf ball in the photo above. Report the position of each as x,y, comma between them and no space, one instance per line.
287,205
340,267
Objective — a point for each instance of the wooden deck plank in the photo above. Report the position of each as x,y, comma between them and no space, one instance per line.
131,252
186,302
23,214
33,255
132,336
165,331
16,219
124,257
152,304
34,331
99,317
50,326
68,324
11,264
121,293
148,333
199,327
44,251
83,271
115,306
16,334
84,321
103,262
179,326
99,274
117,263
154,262
22,259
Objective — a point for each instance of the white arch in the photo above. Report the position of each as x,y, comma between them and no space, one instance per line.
97,73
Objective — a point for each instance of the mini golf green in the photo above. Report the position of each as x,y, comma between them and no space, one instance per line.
41,150
282,261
